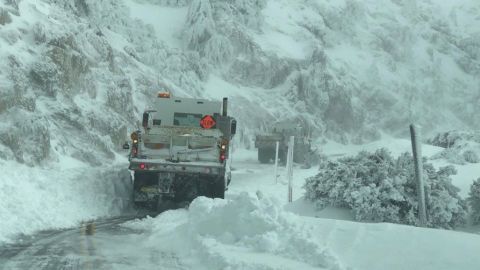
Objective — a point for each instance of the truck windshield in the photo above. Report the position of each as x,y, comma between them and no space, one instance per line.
187,119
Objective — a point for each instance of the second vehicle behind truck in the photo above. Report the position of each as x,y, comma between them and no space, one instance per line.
281,132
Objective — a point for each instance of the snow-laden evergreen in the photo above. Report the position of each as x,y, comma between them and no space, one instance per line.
474,200
379,188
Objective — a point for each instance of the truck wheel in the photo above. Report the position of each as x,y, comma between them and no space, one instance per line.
264,155
299,153
218,189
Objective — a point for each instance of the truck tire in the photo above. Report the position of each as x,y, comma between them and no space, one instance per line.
264,155
218,189
299,153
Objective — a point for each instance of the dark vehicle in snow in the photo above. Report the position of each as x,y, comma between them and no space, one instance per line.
281,132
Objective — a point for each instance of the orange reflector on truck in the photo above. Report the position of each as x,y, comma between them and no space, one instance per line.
207,122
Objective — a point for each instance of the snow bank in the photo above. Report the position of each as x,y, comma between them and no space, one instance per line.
253,232
47,198
243,232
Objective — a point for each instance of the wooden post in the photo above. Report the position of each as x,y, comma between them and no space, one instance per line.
417,157
277,145
290,167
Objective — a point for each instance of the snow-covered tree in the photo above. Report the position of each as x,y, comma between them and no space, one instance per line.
218,49
474,200
379,188
200,26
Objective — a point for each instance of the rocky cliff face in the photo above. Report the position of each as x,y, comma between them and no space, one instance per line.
76,74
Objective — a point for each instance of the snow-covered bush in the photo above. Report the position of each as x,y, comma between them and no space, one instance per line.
471,156
447,139
461,146
379,188
451,155
474,200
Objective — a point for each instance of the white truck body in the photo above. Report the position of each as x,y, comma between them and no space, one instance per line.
175,151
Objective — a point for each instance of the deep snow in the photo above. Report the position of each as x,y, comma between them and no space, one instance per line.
255,228
61,196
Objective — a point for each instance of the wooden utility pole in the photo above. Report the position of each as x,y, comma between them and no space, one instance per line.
417,157
290,167
277,144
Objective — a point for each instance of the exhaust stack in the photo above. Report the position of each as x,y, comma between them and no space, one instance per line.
224,107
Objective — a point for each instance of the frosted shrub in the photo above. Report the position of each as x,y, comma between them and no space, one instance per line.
379,188
461,146
471,157
474,200
451,155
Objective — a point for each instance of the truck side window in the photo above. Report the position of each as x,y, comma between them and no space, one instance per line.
157,122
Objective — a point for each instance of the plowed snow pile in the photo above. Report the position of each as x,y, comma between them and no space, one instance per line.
35,199
254,232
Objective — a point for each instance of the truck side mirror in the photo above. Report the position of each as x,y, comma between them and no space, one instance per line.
233,127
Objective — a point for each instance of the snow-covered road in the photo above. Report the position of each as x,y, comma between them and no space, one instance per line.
102,244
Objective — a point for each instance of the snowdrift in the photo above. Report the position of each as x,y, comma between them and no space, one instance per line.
253,232
33,199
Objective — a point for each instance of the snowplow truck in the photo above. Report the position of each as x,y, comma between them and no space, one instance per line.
183,151
281,132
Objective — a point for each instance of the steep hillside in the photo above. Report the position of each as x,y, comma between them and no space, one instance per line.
76,74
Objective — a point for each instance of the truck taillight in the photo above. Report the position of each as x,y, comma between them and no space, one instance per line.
223,150
142,166
135,139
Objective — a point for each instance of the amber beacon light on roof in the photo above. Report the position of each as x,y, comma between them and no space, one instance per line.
163,95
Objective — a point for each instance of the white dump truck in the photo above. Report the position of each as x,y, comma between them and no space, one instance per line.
183,151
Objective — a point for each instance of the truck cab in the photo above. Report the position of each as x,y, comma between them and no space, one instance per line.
183,151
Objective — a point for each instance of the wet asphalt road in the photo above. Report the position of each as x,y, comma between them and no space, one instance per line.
102,244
